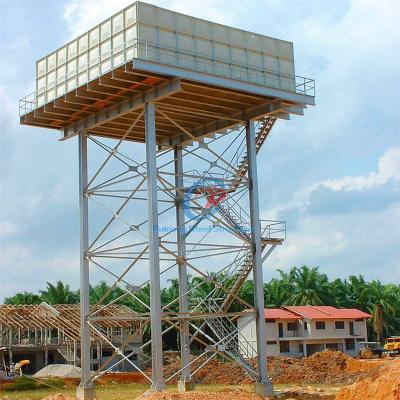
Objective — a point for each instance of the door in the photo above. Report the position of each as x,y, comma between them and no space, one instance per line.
351,328
280,329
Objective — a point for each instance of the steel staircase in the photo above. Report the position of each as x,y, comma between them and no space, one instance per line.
224,329
265,129
237,220
227,335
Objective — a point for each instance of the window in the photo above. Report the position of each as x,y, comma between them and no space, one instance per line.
280,329
350,344
301,348
305,325
351,328
291,326
284,346
320,324
360,339
339,324
271,342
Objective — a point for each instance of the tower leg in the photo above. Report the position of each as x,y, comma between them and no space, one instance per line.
154,256
85,390
263,385
184,383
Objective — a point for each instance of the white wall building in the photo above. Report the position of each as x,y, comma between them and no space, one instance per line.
299,331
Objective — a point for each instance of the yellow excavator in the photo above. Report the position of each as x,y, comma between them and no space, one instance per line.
14,370
392,346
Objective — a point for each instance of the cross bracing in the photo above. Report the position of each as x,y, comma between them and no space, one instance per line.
204,225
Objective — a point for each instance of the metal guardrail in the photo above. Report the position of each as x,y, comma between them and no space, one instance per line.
273,229
137,49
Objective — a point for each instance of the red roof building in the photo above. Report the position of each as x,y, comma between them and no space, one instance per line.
300,331
280,313
327,312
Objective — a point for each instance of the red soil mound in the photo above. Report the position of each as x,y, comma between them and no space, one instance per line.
330,367
224,395
382,383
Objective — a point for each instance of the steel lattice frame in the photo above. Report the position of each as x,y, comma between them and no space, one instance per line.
173,212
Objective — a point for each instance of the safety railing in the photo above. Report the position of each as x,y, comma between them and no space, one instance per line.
137,49
273,229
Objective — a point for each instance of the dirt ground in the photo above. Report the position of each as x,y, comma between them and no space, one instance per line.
382,383
327,367
327,375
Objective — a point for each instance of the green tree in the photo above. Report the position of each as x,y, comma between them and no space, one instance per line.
382,303
59,293
309,287
23,298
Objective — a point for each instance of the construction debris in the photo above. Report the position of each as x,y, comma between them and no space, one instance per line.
60,371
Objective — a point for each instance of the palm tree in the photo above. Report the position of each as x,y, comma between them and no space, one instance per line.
355,285
382,303
309,287
99,293
59,294
277,292
23,298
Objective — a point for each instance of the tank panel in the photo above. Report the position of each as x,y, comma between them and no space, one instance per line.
151,33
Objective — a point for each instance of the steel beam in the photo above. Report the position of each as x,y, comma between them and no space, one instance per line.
154,251
215,80
263,385
85,390
184,384
124,107
272,108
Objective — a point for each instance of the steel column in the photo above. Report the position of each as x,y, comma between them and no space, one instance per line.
154,256
263,385
182,271
85,390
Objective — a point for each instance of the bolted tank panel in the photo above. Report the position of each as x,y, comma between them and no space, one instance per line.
155,34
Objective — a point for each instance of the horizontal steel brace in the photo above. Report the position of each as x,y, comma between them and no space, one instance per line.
177,316
210,79
120,109
273,108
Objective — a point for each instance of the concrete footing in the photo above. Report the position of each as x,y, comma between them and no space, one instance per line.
185,386
264,389
83,393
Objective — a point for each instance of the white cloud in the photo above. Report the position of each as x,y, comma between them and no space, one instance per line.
388,168
82,15
341,235
29,271
344,245
8,228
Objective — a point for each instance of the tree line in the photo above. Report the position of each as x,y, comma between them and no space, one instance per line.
299,286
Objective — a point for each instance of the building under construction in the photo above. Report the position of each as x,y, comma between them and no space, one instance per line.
45,334
169,112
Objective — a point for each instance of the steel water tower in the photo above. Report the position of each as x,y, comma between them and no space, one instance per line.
170,112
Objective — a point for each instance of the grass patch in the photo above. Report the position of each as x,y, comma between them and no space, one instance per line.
120,391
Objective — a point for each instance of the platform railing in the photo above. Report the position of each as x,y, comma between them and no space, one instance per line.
273,229
137,49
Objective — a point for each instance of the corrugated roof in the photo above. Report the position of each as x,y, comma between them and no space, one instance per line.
327,312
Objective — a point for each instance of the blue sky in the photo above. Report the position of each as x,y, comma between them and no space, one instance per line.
333,175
